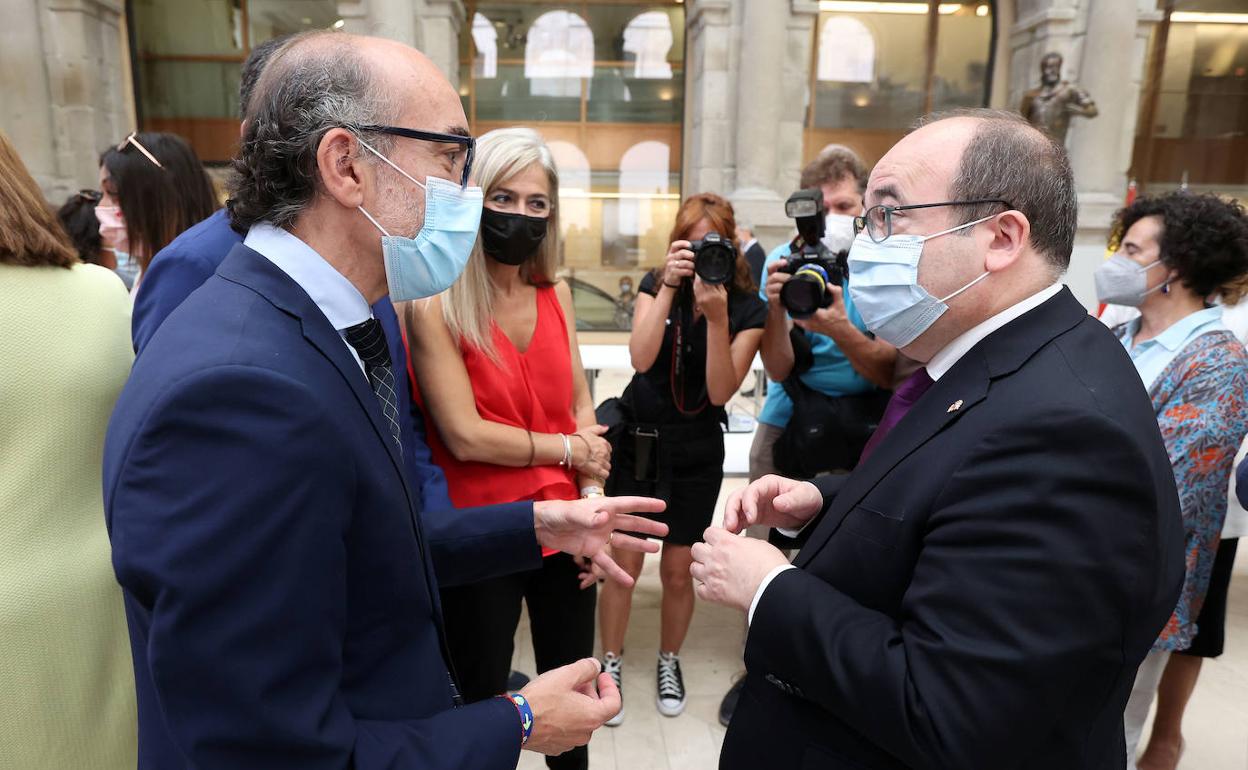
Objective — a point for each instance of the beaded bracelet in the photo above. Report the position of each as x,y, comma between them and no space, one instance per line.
526,716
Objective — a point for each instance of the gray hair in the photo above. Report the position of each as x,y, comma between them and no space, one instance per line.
1009,159
315,83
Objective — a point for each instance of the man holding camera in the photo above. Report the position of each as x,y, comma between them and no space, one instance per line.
819,349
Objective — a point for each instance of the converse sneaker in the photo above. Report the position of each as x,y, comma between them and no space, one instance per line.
671,685
611,664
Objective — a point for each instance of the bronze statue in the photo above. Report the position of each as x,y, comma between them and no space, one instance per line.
1051,105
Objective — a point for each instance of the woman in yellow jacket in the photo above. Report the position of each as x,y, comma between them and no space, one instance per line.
66,681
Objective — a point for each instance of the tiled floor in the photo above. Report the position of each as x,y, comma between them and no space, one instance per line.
1216,726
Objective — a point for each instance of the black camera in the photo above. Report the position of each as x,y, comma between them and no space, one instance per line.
814,267
714,258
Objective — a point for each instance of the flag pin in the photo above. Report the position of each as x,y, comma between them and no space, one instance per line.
955,406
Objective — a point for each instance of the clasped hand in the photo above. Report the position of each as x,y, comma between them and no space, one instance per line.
727,569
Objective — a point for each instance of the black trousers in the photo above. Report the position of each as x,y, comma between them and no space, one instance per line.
481,621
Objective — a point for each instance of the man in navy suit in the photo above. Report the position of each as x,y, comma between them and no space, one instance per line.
185,264
278,576
980,591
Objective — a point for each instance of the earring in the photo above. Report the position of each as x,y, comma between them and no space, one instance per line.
1165,288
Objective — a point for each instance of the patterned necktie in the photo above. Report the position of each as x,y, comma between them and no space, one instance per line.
903,398
369,341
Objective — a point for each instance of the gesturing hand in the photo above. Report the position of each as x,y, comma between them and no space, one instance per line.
584,527
567,707
772,501
727,569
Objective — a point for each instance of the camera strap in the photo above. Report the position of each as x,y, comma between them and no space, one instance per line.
682,325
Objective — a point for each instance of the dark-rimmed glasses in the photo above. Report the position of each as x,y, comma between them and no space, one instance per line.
146,153
878,220
467,142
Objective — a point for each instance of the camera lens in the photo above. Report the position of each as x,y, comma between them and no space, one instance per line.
805,292
715,262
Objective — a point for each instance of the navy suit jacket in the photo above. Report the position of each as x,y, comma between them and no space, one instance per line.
277,576
982,588
185,264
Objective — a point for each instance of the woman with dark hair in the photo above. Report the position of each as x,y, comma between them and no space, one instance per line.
152,188
77,216
1178,253
67,695
692,344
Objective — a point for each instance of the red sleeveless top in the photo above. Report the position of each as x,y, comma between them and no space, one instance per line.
530,390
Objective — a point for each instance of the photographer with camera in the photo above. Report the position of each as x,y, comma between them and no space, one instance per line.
696,329
832,372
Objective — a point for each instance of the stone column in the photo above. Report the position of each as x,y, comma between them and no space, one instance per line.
62,91
440,24
1111,69
431,26
774,76
710,97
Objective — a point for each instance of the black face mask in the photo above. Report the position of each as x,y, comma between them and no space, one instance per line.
510,238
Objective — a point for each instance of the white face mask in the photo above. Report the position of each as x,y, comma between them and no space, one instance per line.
1120,281
884,282
838,232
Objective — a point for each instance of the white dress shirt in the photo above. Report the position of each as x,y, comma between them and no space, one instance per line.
329,289
938,367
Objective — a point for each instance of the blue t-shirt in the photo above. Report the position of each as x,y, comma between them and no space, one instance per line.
831,373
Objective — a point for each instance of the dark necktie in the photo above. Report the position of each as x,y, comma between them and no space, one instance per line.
369,341
903,398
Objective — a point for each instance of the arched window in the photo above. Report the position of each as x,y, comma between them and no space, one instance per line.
644,171
485,38
846,51
558,54
648,38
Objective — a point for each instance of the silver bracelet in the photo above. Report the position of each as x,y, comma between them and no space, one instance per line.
566,462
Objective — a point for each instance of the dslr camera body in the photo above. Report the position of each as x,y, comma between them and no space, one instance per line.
814,267
714,258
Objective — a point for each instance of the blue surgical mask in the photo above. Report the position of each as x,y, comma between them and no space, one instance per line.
429,263
127,266
884,284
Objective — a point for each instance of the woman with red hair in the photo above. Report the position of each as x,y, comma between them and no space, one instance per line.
697,325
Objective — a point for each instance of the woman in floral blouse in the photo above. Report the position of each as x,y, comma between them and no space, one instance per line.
1178,252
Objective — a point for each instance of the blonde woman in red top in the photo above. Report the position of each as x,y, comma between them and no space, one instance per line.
498,372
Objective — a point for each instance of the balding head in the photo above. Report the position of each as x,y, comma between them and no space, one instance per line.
1015,245
309,161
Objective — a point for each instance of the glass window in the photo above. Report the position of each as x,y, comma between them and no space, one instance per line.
878,66
603,81
1193,126
190,55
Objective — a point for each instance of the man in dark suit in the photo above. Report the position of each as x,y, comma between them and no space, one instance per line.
186,263
979,592
753,251
277,572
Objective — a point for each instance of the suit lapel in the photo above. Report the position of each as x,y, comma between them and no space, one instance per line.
955,394
965,385
249,268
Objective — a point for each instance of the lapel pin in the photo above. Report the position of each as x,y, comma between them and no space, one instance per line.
955,406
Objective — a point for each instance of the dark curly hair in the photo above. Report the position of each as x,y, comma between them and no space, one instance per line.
77,216
315,83
1204,239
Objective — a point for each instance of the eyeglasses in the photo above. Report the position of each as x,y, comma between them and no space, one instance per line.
89,196
467,142
878,220
146,153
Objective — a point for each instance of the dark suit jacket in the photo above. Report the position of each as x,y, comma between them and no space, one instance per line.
981,590
185,264
277,576
756,257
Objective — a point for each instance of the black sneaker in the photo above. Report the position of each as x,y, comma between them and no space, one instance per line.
612,664
671,685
